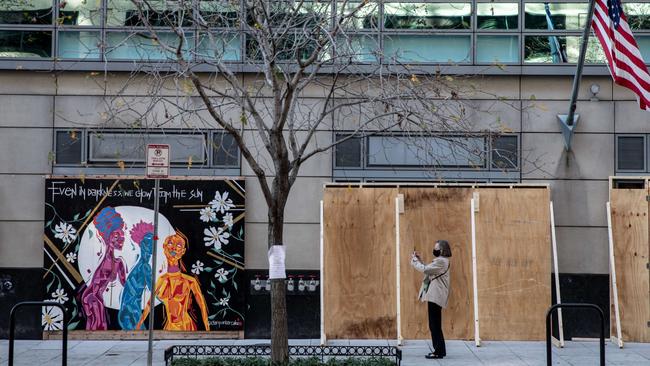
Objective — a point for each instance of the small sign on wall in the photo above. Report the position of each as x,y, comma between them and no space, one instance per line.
157,161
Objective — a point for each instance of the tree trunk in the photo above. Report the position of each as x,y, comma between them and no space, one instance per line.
279,328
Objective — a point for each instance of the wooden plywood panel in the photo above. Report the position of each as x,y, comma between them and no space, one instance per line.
513,263
431,214
359,263
630,232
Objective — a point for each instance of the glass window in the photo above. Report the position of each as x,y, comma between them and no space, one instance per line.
225,47
429,48
217,13
644,46
497,49
130,147
505,152
358,15
561,49
497,15
225,151
427,15
293,14
556,15
25,44
80,12
158,13
26,11
140,46
347,153
68,147
638,15
457,152
630,153
292,46
357,48
79,45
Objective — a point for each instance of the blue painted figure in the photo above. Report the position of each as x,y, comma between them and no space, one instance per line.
138,279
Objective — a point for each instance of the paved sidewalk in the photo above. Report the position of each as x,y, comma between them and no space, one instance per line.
118,353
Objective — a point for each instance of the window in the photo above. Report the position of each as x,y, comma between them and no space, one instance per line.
79,45
130,147
225,151
68,147
80,13
630,153
549,16
106,149
505,152
140,46
347,153
404,15
448,158
443,151
561,49
492,16
638,15
33,12
25,44
428,48
365,17
497,48
157,13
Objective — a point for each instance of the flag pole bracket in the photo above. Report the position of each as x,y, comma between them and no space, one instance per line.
568,129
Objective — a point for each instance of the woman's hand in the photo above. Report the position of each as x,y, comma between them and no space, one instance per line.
416,255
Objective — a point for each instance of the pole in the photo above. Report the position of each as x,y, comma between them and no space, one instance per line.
581,63
152,298
477,337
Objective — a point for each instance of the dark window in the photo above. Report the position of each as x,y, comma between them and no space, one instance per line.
26,12
68,147
25,44
630,153
505,152
348,153
225,150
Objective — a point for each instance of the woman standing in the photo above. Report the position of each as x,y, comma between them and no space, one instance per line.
435,290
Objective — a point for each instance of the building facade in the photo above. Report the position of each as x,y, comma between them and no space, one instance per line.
64,64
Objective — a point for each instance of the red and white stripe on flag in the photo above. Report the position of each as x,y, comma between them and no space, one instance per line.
623,56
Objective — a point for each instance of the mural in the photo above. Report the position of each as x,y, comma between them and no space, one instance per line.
99,244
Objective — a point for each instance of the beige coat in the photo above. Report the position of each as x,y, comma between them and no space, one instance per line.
435,284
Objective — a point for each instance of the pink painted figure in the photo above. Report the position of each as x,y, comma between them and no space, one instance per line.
110,226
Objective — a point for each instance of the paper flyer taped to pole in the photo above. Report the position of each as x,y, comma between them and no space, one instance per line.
277,257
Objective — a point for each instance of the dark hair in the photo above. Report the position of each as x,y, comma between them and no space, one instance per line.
445,248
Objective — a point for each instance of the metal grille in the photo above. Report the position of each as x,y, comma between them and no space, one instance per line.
322,352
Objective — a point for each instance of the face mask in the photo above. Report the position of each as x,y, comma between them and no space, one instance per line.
436,252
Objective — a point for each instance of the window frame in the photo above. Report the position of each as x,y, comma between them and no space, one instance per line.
645,152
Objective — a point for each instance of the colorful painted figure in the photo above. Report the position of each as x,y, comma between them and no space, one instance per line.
139,278
175,290
110,227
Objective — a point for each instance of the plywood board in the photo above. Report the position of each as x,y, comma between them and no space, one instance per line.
432,214
630,232
359,263
513,263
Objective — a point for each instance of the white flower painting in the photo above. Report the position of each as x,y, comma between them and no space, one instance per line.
221,203
65,232
52,318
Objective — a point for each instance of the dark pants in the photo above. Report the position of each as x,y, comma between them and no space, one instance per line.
435,326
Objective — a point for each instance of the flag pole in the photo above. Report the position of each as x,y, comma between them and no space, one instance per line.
569,121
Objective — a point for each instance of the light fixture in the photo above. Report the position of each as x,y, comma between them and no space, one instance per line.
594,89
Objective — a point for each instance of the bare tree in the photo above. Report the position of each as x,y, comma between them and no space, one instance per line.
309,66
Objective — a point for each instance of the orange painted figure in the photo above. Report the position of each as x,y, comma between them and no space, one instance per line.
175,290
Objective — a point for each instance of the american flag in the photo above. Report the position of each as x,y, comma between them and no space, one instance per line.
623,56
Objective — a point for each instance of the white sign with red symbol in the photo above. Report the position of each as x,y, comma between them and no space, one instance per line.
157,161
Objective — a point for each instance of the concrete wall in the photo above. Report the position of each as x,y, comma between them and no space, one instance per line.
33,104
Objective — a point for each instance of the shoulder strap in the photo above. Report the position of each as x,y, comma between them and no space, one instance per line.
443,273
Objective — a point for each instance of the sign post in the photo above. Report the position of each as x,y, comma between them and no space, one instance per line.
157,167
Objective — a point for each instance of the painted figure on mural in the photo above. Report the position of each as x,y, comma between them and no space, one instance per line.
139,278
175,290
110,227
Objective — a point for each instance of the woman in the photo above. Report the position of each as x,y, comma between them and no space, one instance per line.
175,290
435,290
139,278
110,227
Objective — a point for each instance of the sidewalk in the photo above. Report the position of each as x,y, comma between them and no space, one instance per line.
118,353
